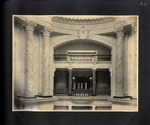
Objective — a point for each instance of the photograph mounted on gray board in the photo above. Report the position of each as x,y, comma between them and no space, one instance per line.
73,63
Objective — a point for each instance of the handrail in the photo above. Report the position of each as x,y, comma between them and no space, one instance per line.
81,57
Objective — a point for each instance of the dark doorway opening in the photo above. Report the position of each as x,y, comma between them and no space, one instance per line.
103,82
61,82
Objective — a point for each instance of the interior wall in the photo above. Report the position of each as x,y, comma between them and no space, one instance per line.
82,45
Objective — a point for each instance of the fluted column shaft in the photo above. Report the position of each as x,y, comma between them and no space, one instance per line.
120,62
46,62
29,59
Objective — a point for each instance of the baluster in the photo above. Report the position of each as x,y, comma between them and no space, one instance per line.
81,85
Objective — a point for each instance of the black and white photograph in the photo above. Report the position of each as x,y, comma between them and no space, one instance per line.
75,63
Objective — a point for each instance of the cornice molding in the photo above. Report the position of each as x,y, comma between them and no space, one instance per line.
83,21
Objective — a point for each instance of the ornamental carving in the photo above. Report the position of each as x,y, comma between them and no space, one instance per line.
119,30
29,25
83,33
46,31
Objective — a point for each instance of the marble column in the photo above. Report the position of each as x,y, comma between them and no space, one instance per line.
94,83
46,62
70,82
29,59
120,61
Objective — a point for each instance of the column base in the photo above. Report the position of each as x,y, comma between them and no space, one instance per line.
27,97
122,97
69,94
39,94
44,96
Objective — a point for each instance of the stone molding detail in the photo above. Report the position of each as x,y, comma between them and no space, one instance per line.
46,65
83,33
29,59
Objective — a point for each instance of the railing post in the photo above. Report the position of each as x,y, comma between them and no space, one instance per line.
94,83
70,82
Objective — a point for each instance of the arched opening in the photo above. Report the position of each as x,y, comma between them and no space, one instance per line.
82,81
81,50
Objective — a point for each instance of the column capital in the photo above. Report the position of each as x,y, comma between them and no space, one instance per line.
29,25
69,68
119,30
46,31
94,68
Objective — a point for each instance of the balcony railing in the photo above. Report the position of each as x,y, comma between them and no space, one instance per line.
81,57
82,92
